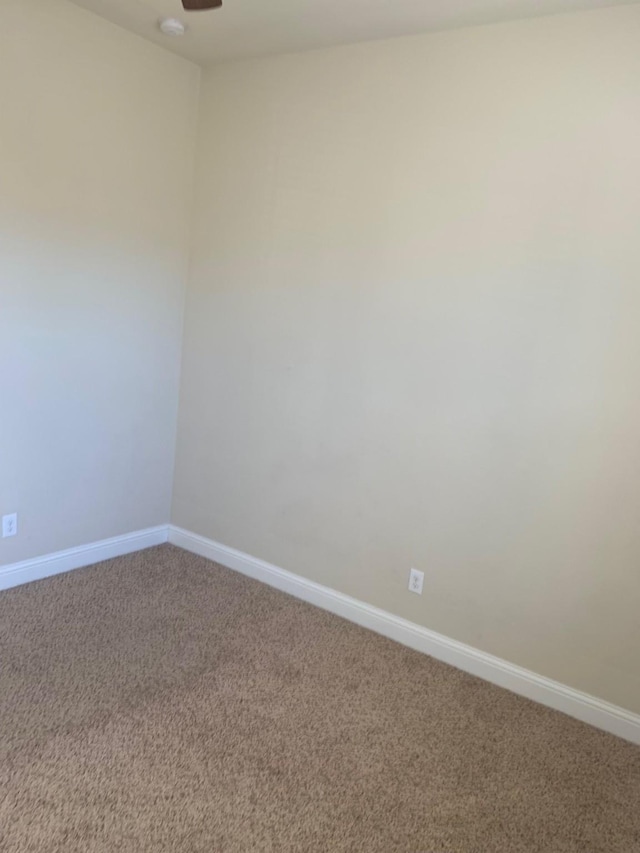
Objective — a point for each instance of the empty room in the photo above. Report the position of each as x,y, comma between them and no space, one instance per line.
319,426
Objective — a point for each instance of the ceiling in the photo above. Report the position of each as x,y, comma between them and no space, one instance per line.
244,28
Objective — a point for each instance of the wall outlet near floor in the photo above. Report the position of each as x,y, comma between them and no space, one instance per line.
9,525
416,580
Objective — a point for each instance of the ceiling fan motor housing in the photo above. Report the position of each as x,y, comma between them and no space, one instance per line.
201,5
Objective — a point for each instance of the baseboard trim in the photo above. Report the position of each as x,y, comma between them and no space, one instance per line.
553,694
16,574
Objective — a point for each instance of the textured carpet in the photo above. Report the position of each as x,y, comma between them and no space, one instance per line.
159,702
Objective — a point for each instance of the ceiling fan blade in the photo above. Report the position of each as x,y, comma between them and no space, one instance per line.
198,5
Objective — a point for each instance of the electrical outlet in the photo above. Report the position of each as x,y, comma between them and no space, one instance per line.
9,525
416,580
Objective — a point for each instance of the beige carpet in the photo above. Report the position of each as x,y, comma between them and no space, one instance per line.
158,702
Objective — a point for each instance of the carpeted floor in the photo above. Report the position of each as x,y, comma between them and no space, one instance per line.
158,702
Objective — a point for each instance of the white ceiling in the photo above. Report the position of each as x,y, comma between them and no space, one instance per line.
243,28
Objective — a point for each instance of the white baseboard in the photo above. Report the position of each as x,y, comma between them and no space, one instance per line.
553,694
15,574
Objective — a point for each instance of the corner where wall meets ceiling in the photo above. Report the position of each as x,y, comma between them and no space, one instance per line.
247,28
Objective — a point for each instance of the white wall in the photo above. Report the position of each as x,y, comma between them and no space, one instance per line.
96,142
412,333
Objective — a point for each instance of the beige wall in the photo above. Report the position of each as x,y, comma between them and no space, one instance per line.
96,136
412,333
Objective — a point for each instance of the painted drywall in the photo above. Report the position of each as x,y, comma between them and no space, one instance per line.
411,333
252,28
97,130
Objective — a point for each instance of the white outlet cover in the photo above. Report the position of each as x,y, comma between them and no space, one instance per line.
416,581
9,525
